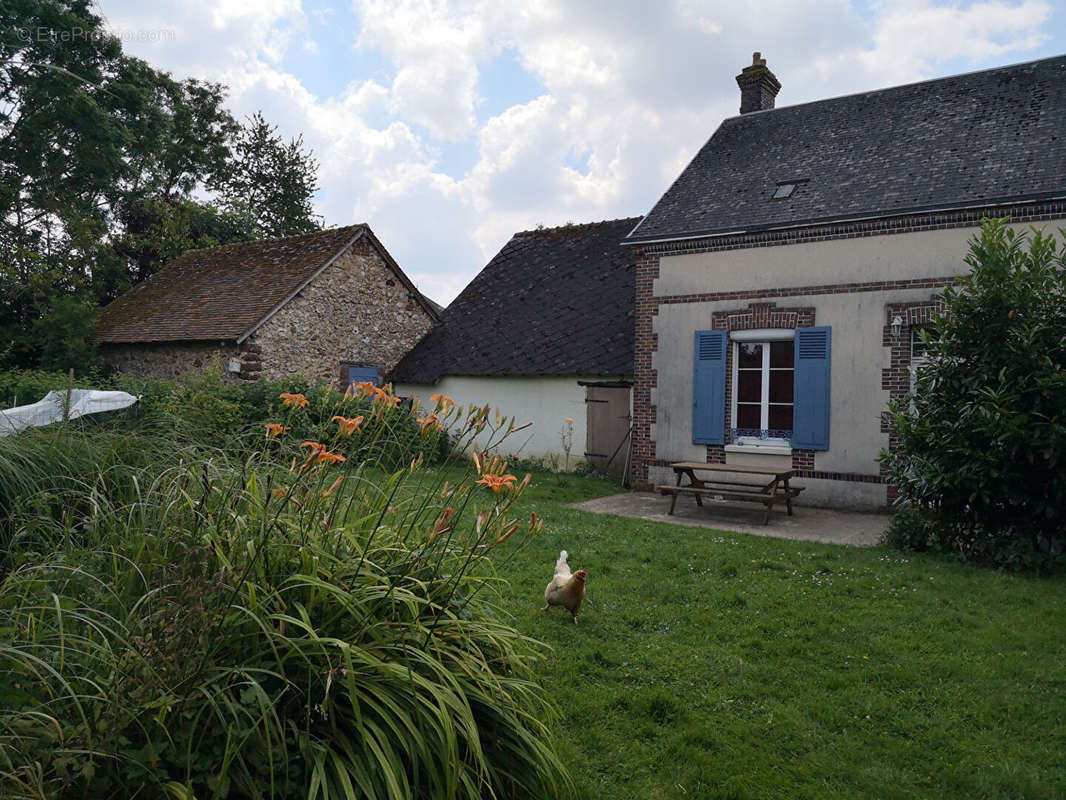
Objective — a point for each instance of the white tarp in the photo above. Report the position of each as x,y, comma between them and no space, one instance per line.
50,409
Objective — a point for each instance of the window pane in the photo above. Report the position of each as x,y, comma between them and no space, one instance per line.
918,347
780,418
749,386
750,416
749,355
781,384
782,354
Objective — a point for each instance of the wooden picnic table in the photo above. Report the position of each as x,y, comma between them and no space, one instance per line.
717,480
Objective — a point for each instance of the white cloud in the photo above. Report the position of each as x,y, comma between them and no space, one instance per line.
631,88
912,37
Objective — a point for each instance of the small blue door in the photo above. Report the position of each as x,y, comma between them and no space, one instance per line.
361,374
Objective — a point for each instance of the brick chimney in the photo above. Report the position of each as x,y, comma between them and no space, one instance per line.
758,86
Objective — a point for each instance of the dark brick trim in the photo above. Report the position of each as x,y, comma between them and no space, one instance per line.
716,452
896,378
847,477
799,291
904,223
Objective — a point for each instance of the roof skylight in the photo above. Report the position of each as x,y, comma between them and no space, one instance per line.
783,190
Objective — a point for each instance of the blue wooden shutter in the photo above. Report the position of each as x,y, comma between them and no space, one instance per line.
708,388
360,374
810,424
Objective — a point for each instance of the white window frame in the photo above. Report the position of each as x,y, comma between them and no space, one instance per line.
916,363
759,336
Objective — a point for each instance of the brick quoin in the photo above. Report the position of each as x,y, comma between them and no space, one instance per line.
896,378
647,308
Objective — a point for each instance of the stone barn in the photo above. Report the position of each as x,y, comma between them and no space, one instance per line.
331,306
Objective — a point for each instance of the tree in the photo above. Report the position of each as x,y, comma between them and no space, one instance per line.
62,334
105,164
271,182
982,443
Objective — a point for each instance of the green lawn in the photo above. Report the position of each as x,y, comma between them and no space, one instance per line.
710,664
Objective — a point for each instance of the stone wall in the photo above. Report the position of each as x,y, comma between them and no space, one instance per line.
168,359
356,312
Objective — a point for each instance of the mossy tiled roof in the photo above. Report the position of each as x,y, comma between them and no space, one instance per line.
222,293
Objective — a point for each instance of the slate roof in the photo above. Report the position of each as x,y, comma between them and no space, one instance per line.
555,301
223,293
993,136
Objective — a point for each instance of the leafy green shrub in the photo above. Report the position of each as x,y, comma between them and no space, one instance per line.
921,530
206,408
19,387
244,626
982,443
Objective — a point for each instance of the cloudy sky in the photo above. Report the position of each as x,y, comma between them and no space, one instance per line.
447,125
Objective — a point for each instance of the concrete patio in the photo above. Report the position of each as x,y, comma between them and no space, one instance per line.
806,524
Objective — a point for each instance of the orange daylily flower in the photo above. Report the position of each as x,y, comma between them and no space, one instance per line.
385,395
570,420
442,400
498,482
428,422
316,448
275,429
320,454
349,426
277,492
364,388
291,399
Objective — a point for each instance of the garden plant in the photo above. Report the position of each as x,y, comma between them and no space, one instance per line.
981,456
283,618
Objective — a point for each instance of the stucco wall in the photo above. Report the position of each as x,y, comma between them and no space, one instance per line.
168,359
546,402
857,318
907,256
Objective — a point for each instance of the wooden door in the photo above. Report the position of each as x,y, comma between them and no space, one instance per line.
607,426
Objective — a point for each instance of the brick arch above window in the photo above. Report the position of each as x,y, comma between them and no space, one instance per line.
758,316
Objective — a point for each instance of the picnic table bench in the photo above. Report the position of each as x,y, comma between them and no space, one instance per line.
717,480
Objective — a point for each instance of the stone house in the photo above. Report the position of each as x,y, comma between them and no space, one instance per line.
332,306
783,278
544,333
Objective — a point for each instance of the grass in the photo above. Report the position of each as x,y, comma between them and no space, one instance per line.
720,665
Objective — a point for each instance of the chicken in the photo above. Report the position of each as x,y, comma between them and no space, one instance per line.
565,590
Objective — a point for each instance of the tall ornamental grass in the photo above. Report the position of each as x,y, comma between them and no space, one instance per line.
287,622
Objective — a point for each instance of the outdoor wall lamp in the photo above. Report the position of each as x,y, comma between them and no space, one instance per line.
897,326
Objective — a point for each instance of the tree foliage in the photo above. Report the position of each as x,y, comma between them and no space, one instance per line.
105,164
270,182
982,443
